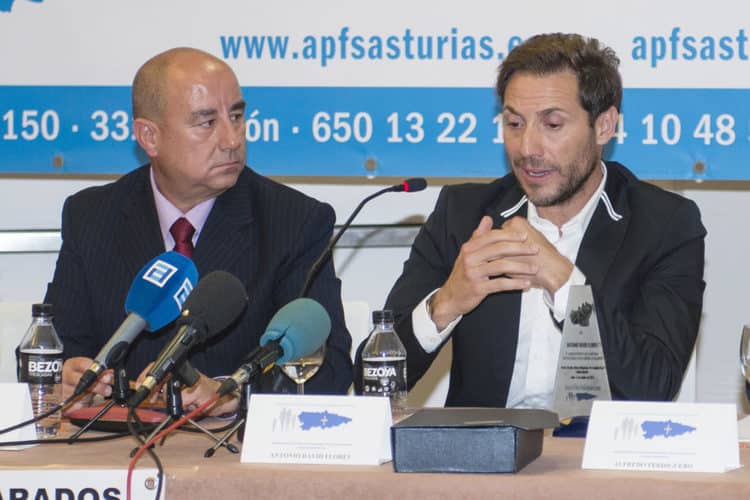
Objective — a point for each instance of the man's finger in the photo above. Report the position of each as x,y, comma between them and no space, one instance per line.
484,226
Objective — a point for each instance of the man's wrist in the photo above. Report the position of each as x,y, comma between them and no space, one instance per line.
437,313
559,276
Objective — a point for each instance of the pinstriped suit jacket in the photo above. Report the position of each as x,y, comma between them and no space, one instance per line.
264,233
645,269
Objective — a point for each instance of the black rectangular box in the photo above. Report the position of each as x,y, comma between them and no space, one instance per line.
469,439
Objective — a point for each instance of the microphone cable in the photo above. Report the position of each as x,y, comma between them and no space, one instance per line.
94,439
146,446
132,419
41,416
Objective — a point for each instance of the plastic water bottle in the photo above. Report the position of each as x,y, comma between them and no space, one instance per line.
384,362
40,361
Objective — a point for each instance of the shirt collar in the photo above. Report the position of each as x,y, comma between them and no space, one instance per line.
580,221
168,213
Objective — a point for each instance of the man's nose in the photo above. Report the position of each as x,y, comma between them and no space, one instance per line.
531,144
230,134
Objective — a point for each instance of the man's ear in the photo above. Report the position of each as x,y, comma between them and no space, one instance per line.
605,125
146,132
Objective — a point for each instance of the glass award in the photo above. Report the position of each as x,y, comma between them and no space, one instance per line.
581,371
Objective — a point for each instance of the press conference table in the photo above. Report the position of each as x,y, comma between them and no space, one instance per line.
556,475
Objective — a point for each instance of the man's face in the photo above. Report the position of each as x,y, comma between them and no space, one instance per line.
551,147
200,145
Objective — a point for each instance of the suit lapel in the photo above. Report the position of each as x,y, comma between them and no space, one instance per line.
139,238
225,236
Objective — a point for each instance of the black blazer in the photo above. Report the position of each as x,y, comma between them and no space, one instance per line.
264,233
645,270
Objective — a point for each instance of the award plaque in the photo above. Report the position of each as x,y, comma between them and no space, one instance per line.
581,371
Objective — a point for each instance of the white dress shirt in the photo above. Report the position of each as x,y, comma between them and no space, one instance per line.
168,214
539,338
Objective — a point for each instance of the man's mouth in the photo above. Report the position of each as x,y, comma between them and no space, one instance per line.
228,163
537,173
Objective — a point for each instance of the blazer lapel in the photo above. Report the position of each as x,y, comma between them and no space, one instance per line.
506,305
510,204
605,234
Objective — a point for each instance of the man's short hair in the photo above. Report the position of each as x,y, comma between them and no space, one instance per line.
593,64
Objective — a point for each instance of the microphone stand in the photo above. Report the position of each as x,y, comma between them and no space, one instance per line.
120,393
318,264
184,375
239,421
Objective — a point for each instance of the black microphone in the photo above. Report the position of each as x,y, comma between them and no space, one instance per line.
407,186
217,300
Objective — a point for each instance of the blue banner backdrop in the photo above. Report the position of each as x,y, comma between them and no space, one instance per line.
404,131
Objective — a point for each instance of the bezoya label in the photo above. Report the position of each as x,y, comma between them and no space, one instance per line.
383,376
380,371
40,368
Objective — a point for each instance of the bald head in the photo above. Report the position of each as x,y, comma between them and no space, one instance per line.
152,80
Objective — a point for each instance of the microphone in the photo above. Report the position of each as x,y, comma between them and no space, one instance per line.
296,330
407,186
218,299
154,300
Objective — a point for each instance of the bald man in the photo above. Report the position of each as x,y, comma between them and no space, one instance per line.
189,119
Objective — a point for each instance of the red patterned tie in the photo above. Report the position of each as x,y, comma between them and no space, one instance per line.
182,232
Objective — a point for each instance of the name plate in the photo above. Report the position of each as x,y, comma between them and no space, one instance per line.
78,483
16,409
680,437
292,429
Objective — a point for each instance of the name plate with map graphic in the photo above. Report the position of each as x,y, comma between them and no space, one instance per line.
666,437
295,429
581,369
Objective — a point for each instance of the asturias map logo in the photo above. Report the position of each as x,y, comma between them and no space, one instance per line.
667,429
6,5
629,429
322,419
289,420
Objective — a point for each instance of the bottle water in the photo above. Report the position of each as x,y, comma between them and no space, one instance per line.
384,362
40,361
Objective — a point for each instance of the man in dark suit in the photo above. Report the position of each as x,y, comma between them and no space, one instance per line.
188,114
493,265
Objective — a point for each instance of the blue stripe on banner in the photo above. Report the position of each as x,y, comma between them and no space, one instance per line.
333,131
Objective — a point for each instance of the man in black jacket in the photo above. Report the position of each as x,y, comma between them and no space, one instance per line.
188,113
493,265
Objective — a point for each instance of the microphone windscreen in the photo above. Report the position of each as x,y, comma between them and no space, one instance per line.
160,289
218,299
414,185
300,327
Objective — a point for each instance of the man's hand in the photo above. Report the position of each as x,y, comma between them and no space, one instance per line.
487,263
554,269
202,391
193,397
73,368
